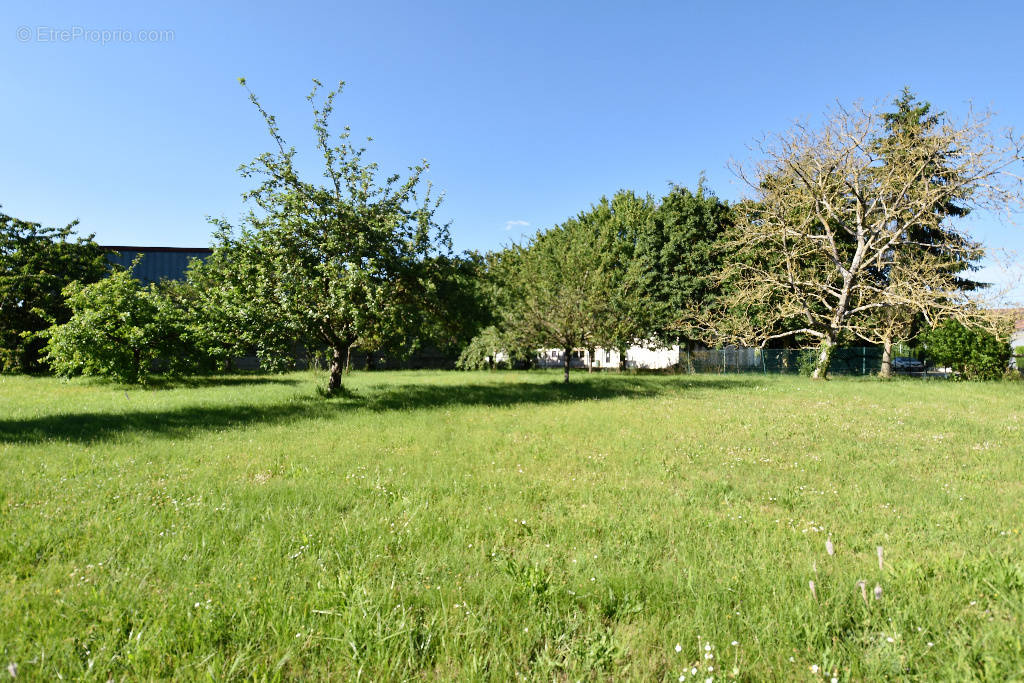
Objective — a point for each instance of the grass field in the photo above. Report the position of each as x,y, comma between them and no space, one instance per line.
471,526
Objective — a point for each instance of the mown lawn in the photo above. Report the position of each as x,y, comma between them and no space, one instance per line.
472,526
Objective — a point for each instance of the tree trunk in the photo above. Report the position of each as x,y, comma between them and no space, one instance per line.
689,357
825,351
886,370
590,360
337,365
348,359
567,359
622,359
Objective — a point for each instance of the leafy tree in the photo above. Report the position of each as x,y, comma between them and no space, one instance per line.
229,307
341,262
558,296
618,226
116,330
36,264
833,207
900,145
457,303
678,258
484,349
971,352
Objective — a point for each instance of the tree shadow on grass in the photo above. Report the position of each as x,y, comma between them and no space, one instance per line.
187,421
239,380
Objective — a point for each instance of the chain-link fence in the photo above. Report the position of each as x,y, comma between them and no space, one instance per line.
853,360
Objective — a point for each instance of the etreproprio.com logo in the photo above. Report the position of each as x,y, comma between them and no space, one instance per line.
101,36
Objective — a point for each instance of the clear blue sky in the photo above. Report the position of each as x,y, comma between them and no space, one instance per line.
527,112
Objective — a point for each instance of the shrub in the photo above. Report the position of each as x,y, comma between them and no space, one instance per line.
971,353
116,330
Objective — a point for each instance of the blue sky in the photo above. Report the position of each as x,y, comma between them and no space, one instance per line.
527,112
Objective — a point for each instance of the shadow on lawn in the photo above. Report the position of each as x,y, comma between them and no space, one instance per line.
182,422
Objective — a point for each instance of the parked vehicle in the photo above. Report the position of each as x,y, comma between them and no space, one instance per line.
907,364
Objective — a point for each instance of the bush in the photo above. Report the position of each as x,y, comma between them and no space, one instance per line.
971,353
121,330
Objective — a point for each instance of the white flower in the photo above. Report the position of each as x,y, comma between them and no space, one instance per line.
681,678
707,648
735,643
931,644
890,640
708,655
693,671
679,648
814,668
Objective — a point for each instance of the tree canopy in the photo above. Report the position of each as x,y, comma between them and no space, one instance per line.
342,262
36,264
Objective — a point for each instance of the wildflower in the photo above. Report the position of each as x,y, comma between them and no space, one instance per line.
707,648
682,677
878,592
863,590
930,644
708,655
679,648
814,593
693,671
890,640
814,668
735,643
12,669
879,549
829,548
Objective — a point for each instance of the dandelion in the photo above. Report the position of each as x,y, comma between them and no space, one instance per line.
829,548
878,592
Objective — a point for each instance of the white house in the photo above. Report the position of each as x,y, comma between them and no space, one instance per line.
638,357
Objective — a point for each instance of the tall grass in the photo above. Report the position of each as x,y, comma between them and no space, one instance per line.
487,526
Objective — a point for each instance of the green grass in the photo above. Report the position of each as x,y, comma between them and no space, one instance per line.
485,526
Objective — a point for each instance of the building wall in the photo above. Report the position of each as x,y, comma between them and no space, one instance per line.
158,263
637,357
